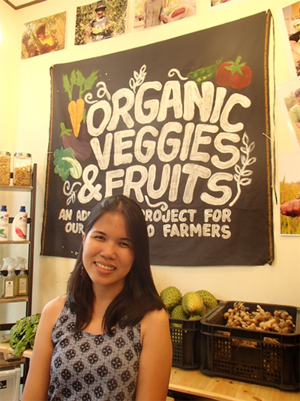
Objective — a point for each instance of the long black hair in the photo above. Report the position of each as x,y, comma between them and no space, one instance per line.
139,295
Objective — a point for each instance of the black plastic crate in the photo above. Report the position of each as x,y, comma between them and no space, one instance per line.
178,396
185,335
261,357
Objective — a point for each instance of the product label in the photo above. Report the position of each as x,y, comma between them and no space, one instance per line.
21,229
23,286
3,384
3,227
9,288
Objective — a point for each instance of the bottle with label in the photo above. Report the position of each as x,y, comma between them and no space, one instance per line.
10,282
4,216
19,225
22,278
4,273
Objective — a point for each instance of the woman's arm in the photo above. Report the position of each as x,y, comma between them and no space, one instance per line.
37,381
156,357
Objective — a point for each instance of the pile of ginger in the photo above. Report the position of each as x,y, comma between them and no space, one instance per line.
280,322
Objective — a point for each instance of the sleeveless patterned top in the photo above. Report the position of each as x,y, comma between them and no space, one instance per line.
88,367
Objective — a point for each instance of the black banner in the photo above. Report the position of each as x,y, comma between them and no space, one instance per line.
182,127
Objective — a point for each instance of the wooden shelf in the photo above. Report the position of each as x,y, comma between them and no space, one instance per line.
26,300
14,242
22,298
16,187
5,348
10,362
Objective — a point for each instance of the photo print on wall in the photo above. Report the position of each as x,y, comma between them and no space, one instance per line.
289,22
289,180
220,4
100,20
150,13
44,35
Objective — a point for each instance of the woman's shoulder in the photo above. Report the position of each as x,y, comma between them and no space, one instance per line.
156,318
54,307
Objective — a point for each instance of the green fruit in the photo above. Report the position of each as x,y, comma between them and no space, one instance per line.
209,299
195,317
203,310
171,297
192,303
178,313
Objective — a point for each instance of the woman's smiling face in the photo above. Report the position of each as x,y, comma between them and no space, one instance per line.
107,251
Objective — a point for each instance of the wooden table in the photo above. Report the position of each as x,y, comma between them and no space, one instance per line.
5,348
222,389
215,388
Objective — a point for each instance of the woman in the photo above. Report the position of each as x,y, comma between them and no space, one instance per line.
109,337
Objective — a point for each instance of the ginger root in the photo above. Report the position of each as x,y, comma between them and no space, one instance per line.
280,322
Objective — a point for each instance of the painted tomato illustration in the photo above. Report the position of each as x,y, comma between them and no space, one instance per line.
234,73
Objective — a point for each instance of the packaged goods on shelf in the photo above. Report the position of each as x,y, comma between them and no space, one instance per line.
19,225
4,168
22,169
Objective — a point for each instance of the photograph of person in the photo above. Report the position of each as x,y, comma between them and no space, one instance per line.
151,13
43,36
95,30
291,15
109,337
289,179
100,20
288,98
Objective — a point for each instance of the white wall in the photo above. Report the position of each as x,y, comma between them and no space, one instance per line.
24,126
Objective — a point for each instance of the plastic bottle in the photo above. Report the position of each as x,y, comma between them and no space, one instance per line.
22,278
4,223
19,225
4,268
10,281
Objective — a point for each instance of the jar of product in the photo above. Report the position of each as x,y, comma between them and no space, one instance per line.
4,168
22,169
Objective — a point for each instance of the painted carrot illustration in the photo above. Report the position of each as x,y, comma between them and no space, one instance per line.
76,108
76,111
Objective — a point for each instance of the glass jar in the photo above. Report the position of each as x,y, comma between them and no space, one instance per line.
22,169
4,168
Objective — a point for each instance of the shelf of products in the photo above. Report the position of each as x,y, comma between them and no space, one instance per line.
30,243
